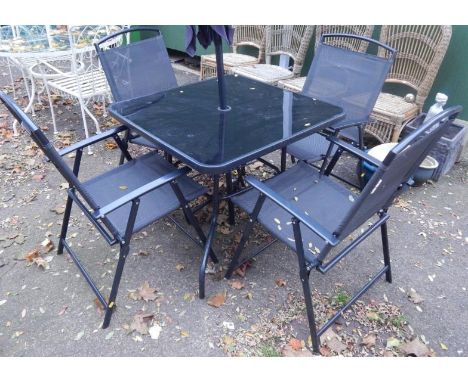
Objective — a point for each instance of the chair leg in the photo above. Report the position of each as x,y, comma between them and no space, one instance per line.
386,252
283,159
124,249
66,219
304,274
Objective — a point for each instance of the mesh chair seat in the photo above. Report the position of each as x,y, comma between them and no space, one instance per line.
269,74
312,194
311,148
123,179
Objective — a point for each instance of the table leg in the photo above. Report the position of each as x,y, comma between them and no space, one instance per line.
210,238
229,190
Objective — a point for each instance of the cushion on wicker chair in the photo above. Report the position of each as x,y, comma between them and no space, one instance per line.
269,74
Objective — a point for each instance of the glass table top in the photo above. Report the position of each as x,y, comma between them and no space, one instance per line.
187,123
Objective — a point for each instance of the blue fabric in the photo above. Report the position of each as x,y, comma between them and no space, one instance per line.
205,36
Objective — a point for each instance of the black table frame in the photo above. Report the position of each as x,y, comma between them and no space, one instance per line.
217,170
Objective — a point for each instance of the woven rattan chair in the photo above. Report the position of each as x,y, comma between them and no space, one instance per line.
120,201
421,49
312,214
287,40
296,84
244,35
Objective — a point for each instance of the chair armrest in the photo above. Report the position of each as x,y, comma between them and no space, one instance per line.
293,210
92,140
140,191
348,125
355,151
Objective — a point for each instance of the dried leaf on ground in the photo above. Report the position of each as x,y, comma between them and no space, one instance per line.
48,245
217,300
416,348
180,267
236,284
32,255
110,145
141,322
415,297
60,209
280,283
288,351
295,344
369,340
146,292
392,342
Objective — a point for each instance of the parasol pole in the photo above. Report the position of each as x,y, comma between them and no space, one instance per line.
220,72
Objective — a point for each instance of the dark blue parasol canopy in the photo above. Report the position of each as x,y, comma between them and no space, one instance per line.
206,35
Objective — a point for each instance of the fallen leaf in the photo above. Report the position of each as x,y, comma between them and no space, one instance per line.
280,283
372,316
140,322
23,313
2,302
40,262
32,255
414,297
416,348
58,209
228,340
64,309
443,346
146,292
79,336
48,245
392,342
180,267
109,335
288,351
110,145
184,333
99,306
217,300
369,340
123,187
38,177
295,344
236,284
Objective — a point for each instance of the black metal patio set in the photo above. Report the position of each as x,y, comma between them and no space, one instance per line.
217,127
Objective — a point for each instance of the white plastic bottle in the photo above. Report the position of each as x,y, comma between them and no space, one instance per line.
441,100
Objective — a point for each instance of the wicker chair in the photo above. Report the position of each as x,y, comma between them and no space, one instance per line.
421,49
296,84
288,40
244,35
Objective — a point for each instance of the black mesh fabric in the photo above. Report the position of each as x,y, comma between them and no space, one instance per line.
138,69
324,200
349,79
399,165
123,179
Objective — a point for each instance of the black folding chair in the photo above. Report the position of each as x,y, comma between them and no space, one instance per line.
347,78
312,213
121,201
136,68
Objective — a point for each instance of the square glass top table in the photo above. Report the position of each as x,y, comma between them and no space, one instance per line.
187,123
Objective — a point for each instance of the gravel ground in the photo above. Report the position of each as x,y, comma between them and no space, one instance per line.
46,308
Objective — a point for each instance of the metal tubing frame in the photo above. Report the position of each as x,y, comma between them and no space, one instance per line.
210,238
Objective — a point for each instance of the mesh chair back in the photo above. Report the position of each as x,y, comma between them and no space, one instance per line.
347,78
46,147
399,165
136,69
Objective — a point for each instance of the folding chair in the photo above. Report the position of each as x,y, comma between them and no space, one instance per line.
136,68
347,78
153,189
312,213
